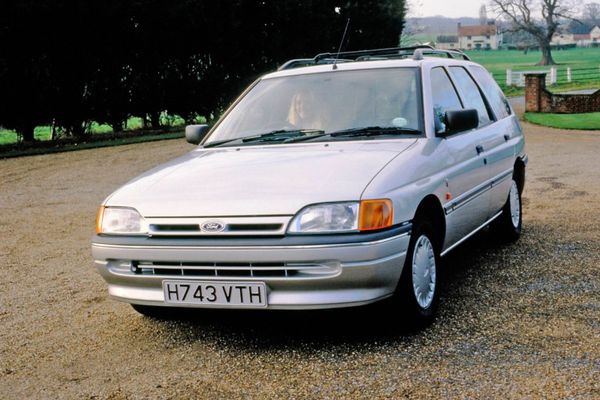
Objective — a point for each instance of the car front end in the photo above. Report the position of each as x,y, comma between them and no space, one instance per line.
269,212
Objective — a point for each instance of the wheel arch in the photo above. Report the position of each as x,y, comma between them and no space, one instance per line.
519,174
430,208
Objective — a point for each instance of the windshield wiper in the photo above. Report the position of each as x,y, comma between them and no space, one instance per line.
363,131
277,135
376,131
282,134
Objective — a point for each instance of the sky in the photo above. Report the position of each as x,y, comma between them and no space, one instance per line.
447,8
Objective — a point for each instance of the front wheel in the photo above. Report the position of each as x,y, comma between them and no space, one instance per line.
417,290
509,223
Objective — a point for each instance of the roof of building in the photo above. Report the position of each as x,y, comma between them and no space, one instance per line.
477,30
582,36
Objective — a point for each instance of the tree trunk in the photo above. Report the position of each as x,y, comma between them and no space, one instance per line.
117,124
155,119
53,131
26,132
546,54
79,131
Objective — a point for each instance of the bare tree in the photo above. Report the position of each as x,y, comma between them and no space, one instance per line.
591,13
540,18
412,26
483,15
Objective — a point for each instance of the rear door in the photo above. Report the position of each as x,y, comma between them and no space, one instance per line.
502,142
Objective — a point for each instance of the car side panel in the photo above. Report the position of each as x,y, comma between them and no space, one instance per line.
501,153
467,203
411,176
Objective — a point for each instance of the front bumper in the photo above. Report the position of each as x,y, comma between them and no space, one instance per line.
323,272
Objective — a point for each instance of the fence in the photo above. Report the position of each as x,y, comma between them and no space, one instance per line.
517,78
555,75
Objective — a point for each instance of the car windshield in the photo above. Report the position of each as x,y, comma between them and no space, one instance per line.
321,103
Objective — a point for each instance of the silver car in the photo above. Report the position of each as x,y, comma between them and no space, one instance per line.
329,183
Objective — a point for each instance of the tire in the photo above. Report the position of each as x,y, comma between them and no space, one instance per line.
417,294
155,312
508,225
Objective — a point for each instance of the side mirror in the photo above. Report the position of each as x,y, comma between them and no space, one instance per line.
460,121
195,133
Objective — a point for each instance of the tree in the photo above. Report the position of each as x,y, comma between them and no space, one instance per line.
521,14
24,74
71,62
591,14
519,40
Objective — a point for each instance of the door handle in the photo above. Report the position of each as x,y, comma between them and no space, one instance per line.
479,149
506,137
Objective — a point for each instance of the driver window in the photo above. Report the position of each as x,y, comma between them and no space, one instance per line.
444,97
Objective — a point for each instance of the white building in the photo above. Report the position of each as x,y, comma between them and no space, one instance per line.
579,39
563,39
482,37
595,34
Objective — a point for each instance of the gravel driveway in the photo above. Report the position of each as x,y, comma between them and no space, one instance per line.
515,321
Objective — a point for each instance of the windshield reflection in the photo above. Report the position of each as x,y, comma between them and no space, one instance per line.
328,102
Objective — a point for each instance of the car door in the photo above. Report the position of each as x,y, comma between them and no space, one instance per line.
489,132
500,147
467,203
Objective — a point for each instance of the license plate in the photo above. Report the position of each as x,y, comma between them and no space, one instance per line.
240,294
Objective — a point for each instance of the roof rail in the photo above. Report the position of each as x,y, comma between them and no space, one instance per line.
419,53
416,52
305,62
389,51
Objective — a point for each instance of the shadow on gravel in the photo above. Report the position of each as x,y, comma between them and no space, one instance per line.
358,327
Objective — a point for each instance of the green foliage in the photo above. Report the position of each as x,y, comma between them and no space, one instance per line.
586,121
90,145
41,133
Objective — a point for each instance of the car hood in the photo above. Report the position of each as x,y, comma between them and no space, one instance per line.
257,180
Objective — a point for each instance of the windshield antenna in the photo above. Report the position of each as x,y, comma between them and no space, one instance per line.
341,44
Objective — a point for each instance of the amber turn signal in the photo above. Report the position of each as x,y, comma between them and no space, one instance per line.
99,220
375,214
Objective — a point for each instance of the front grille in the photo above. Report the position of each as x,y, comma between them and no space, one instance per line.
268,225
175,228
253,227
193,229
234,270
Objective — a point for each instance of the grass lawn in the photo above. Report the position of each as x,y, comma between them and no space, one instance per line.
8,136
584,63
92,145
587,121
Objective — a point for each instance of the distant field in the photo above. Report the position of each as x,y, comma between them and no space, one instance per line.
584,63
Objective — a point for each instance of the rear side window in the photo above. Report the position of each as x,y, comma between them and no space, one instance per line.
470,91
491,90
444,97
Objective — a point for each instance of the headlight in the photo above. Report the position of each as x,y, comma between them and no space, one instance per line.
120,221
366,215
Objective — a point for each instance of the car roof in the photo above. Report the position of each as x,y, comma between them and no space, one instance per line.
369,64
